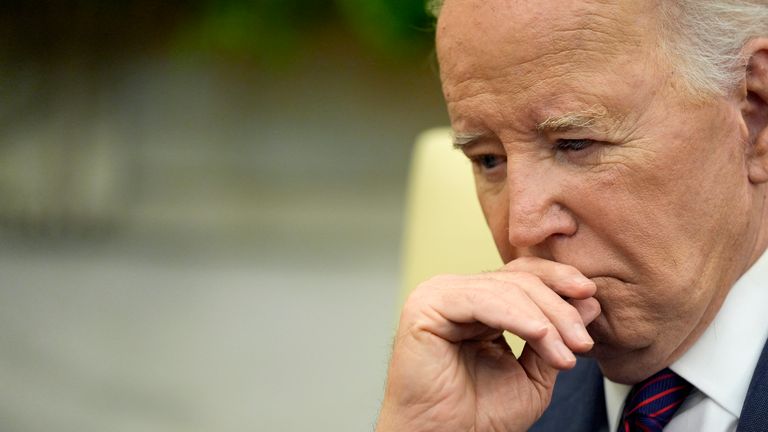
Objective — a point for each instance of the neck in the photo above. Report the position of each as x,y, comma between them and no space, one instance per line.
760,242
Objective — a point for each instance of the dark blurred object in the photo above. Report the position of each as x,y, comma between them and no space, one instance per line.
55,31
261,29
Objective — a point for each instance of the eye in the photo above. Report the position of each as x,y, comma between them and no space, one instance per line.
488,162
573,145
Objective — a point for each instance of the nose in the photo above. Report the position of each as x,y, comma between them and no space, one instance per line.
536,205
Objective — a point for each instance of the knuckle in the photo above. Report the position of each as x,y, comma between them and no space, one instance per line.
419,296
525,261
551,331
431,285
570,313
437,280
566,270
415,297
411,306
526,279
414,307
427,293
515,290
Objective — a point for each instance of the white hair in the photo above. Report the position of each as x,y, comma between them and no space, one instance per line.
704,39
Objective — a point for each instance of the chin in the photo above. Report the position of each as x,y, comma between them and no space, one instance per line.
623,361
627,365
623,368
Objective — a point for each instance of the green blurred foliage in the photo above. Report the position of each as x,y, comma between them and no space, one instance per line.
264,29
276,30
390,26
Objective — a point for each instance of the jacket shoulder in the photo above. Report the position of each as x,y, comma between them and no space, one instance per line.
754,413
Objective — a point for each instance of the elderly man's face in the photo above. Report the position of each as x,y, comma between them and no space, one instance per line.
589,152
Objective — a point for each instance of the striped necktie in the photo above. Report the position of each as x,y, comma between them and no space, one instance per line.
652,403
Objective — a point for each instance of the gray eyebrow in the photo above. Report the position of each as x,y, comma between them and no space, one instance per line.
573,120
465,139
561,123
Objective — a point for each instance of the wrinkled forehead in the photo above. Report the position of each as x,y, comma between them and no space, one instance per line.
477,38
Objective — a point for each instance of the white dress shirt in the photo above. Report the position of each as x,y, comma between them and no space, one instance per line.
720,364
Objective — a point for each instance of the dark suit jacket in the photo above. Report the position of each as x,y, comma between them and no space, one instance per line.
578,402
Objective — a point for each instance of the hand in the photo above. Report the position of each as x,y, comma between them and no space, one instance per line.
452,370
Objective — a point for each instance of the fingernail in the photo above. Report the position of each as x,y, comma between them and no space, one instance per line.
582,335
564,352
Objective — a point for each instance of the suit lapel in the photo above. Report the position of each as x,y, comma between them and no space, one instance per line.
578,401
754,414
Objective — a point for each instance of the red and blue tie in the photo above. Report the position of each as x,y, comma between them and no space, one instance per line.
652,403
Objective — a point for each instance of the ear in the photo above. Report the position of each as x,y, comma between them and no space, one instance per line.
754,95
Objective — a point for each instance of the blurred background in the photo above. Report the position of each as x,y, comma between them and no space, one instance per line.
201,209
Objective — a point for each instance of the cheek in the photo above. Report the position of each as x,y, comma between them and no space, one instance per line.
662,201
494,202
637,315
675,219
700,204
701,177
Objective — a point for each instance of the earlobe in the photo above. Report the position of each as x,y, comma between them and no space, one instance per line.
758,163
755,110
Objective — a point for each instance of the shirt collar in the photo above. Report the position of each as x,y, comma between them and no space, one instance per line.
721,363
615,394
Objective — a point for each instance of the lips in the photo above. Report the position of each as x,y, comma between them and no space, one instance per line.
601,277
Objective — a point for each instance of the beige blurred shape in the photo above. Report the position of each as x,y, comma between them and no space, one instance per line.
444,231
62,175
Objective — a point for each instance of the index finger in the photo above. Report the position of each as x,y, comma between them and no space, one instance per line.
564,279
